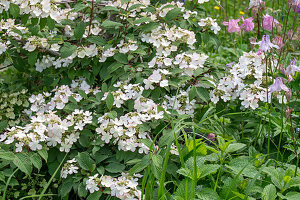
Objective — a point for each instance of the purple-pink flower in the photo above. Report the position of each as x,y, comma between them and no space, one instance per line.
265,44
278,85
248,24
233,25
278,41
292,68
269,22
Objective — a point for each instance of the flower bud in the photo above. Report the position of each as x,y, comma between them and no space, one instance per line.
211,137
288,112
278,41
288,94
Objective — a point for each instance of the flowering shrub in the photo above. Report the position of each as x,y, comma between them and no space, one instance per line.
132,99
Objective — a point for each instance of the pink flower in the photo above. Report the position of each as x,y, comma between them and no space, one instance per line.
248,24
278,85
265,44
233,25
211,137
278,41
269,22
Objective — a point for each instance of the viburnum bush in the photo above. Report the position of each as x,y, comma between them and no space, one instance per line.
133,99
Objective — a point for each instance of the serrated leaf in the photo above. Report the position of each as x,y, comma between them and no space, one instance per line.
36,161
115,167
109,101
234,147
121,58
6,155
14,10
142,20
97,40
203,94
269,192
44,154
110,8
82,192
32,58
95,196
79,30
110,24
22,161
67,50
85,161
172,14
208,194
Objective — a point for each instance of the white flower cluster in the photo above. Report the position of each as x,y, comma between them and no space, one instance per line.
70,167
123,187
48,61
164,39
251,67
48,129
122,47
180,103
190,62
44,9
4,5
210,23
126,130
3,48
45,102
12,29
157,77
125,92
120,4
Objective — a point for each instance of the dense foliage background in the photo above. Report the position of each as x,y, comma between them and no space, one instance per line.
139,99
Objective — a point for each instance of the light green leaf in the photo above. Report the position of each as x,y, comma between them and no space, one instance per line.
79,30
67,50
85,161
109,101
269,192
110,24
36,160
22,161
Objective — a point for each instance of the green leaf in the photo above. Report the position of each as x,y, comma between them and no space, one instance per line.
142,20
14,10
208,194
208,169
113,67
115,167
121,58
203,94
66,187
7,155
172,14
95,196
269,192
107,24
36,161
295,182
192,93
109,101
67,50
22,161
82,192
50,23
32,58
292,196
97,40
110,8
234,147
85,161
79,30
3,124
44,154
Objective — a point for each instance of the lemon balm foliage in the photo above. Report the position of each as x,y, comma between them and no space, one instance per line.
134,99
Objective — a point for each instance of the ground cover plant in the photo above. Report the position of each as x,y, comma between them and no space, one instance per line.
139,99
